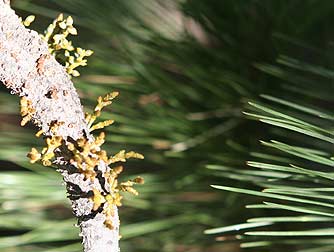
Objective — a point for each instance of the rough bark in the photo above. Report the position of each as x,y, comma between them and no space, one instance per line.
27,69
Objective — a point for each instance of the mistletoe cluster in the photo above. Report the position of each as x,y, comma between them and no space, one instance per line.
86,153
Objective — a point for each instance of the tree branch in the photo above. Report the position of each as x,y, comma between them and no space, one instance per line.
28,70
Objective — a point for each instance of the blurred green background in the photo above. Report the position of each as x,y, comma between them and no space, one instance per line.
186,70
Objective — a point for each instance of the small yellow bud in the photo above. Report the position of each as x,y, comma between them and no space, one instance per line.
72,30
62,25
75,73
46,162
39,133
69,21
70,146
28,20
34,155
60,17
118,169
79,50
25,120
89,53
139,180
98,199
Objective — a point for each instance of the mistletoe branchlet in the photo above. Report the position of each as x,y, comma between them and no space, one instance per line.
56,35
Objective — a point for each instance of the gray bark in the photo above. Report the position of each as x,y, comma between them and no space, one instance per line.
27,69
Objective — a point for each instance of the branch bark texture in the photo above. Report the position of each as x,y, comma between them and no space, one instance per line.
27,69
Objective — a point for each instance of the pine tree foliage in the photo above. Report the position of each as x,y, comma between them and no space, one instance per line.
294,179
